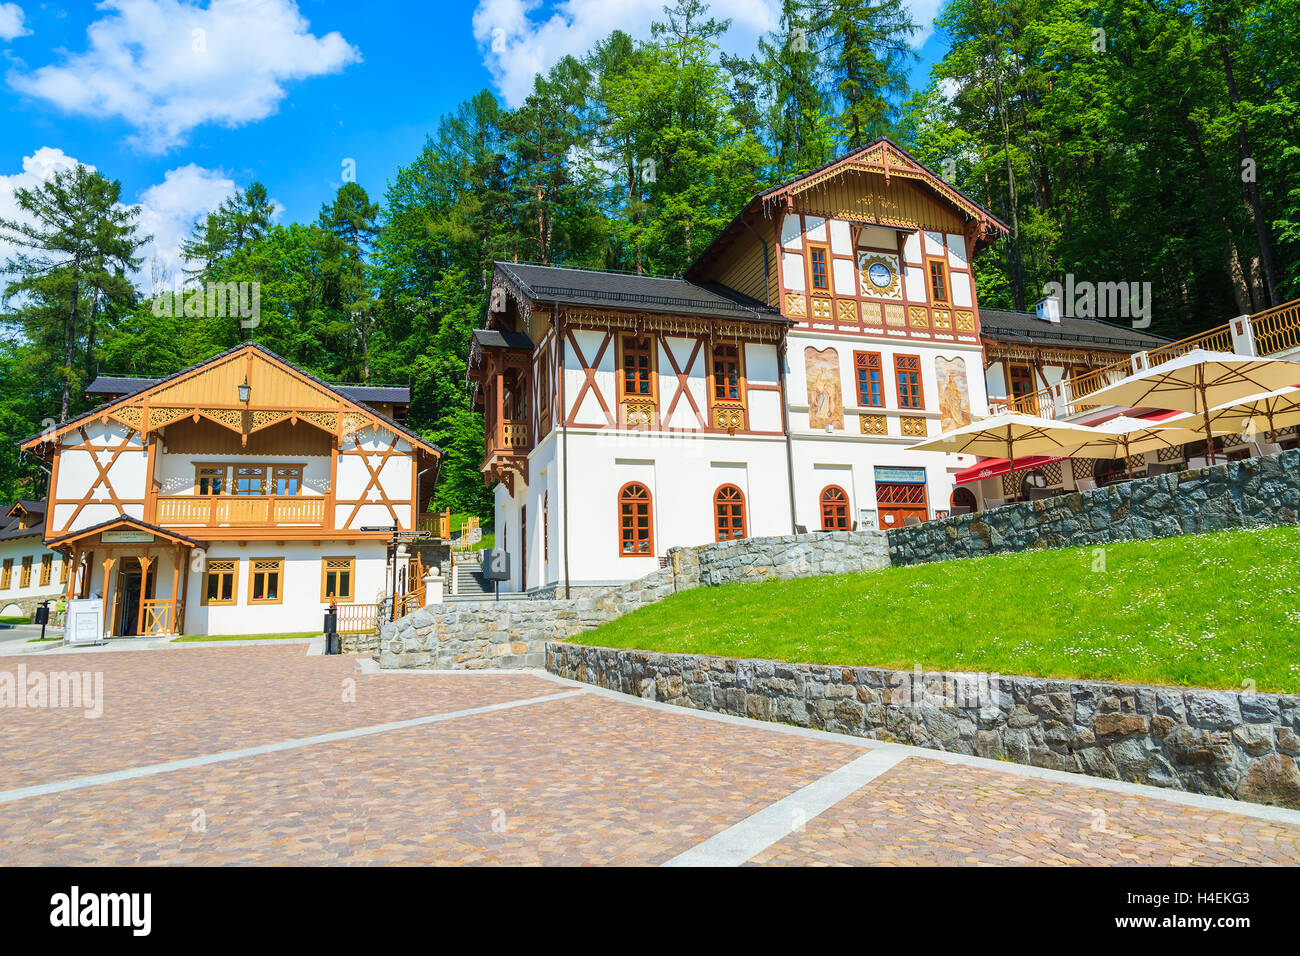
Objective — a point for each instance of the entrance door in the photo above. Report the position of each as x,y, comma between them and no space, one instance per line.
898,501
128,597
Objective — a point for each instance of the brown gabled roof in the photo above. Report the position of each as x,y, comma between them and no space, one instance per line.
50,434
853,159
121,520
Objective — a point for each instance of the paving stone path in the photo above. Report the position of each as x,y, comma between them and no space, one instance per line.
266,755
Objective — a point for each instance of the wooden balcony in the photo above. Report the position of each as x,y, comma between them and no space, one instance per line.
239,511
509,438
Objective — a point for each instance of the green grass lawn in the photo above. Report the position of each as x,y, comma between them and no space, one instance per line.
1212,610
16,620
243,637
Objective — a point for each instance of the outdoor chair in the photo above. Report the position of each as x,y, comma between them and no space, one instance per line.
1198,462
991,503
1267,448
1086,484
959,510
1038,494
1157,468
800,529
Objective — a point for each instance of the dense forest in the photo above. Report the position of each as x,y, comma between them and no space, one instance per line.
1138,140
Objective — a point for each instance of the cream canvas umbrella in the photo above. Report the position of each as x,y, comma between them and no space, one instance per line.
1124,437
1276,409
1198,381
1008,435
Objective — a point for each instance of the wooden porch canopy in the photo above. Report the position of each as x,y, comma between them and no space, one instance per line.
245,389
140,540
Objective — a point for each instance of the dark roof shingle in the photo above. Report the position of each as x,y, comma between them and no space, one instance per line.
1026,327
644,293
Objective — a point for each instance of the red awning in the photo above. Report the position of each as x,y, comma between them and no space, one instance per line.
993,467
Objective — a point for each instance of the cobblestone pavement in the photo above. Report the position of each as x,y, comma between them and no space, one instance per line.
519,768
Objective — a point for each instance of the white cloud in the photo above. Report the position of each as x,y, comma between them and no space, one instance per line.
168,210
167,66
516,46
11,21
518,41
168,213
923,14
37,168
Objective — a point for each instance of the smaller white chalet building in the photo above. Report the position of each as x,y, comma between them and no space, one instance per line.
239,496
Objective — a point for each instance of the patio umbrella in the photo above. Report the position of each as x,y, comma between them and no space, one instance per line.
1124,437
1279,409
1008,435
1198,381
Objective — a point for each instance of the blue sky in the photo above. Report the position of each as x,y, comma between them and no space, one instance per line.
185,100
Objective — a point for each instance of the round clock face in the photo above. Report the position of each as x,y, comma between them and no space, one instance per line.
880,275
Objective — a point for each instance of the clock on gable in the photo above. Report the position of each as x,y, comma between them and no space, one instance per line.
879,274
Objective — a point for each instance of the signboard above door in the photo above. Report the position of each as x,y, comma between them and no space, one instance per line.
126,536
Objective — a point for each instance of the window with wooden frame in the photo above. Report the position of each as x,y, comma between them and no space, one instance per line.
338,579
65,565
819,268
635,532
1020,378
940,287
249,480
637,356
728,513
210,479
907,372
265,580
835,509
7,574
47,568
871,379
286,480
727,373
25,581
219,578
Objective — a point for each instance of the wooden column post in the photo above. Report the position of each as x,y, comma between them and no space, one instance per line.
144,581
74,570
108,569
176,584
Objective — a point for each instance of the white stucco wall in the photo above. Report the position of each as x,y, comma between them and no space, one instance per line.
78,474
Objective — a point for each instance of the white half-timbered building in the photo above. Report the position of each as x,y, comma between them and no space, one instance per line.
29,572
238,496
775,389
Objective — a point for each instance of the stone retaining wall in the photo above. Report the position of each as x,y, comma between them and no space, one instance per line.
1221,743
515,633
1238,494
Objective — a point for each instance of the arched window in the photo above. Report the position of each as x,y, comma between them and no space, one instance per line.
1032,479
835,509
963,498
729,513
635,537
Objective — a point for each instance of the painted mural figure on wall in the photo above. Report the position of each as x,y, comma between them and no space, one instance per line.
825,403
954,395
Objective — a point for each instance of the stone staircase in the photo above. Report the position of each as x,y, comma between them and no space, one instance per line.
471,584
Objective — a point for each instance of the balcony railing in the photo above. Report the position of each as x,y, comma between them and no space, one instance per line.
509,438
240,511
1275,330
